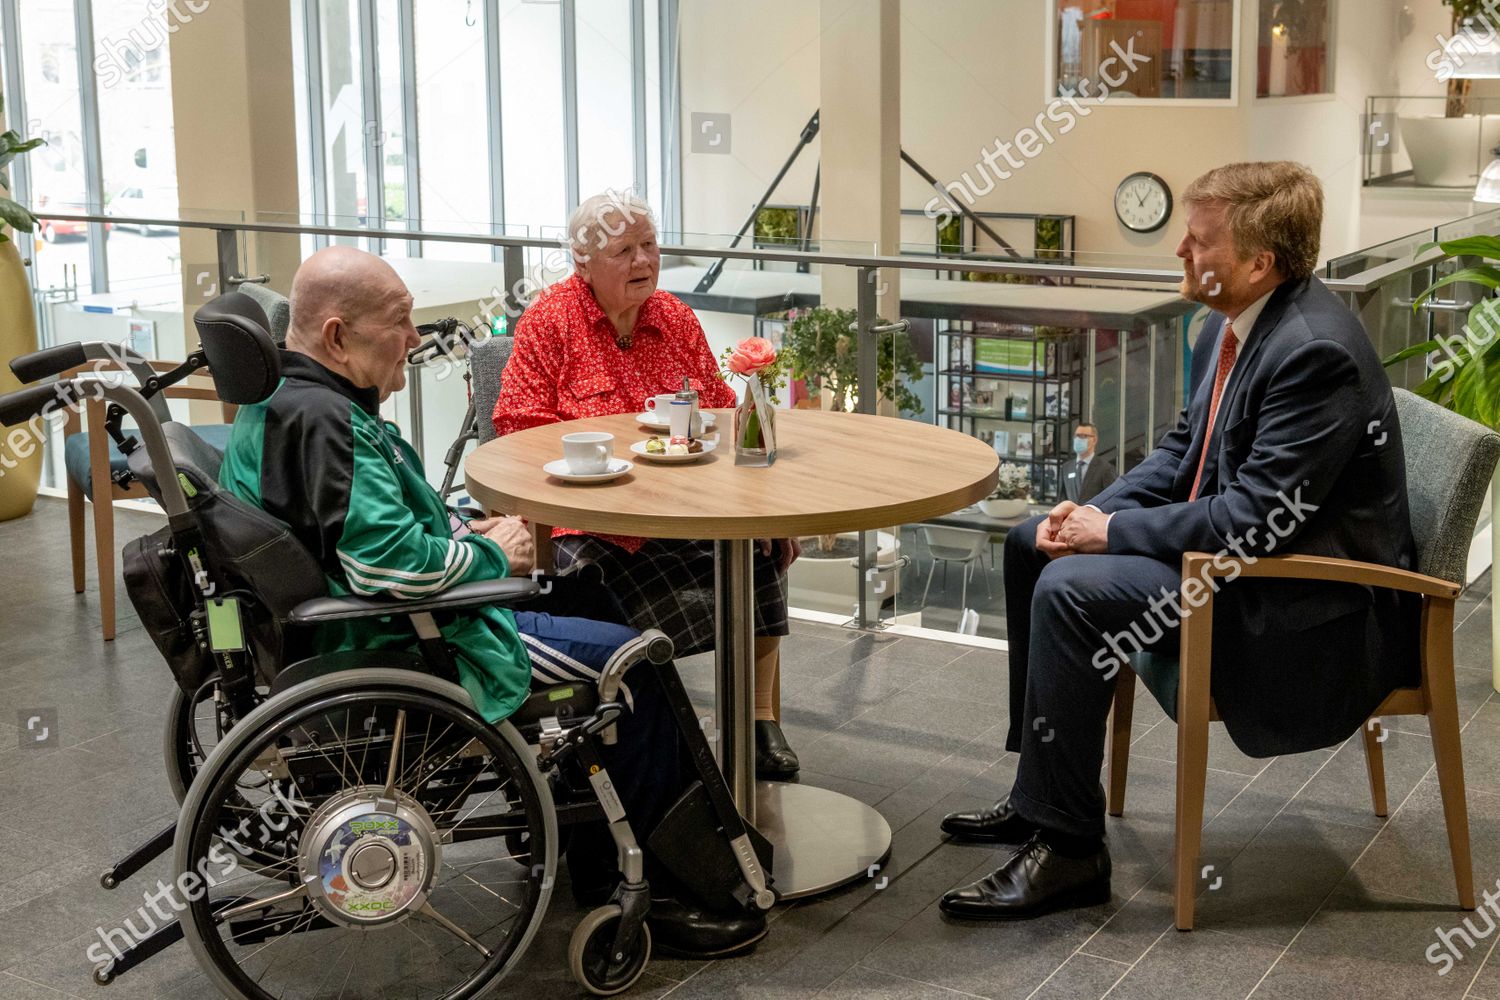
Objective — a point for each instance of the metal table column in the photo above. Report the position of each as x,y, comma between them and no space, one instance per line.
822,839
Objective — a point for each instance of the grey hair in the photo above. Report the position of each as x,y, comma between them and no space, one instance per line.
601,216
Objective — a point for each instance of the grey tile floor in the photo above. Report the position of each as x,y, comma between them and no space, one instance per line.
1316,897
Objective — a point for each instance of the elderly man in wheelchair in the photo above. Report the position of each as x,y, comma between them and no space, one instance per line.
381,725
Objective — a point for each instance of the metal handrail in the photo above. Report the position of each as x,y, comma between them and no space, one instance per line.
1360,283
787,256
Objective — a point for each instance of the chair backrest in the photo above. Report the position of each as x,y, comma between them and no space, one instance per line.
1449,462
277,307
955,543
241,355
487,360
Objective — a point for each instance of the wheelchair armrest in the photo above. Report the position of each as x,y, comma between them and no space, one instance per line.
480,593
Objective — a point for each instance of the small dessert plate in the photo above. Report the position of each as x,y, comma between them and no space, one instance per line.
639,448
559,467
651,420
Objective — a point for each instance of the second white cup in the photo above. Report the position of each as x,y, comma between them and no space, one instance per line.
680,418
588,452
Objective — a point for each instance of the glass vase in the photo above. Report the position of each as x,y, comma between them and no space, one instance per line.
754,426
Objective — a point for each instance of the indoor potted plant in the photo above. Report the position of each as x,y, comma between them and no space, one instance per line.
1463,371
18,476
821,348
1012,489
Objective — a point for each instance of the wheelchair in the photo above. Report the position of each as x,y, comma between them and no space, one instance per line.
349,824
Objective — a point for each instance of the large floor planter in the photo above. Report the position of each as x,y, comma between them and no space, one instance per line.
18,476
1449,152
818,582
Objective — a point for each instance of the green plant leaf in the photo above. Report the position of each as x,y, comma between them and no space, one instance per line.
1486,274
1470,246
15,214
1427,347
1476,389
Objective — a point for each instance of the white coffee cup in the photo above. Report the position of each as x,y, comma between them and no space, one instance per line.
658,405
588,452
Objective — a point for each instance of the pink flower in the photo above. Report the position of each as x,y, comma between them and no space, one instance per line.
751,355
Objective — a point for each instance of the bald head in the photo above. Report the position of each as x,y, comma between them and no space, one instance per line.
351,312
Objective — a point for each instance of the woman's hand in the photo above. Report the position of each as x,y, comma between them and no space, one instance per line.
790,549
514,539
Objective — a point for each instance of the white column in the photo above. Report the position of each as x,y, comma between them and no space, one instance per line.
860,82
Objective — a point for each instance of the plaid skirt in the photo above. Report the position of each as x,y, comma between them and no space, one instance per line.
669,585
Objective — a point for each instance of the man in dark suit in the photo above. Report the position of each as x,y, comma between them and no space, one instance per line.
1087,475
1289,444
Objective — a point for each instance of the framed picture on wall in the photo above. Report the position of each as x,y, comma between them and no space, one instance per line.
1023,444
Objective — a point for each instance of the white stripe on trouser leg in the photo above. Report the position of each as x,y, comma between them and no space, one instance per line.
558,658
545,660
539,672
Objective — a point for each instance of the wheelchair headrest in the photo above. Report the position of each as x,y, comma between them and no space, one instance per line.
241,355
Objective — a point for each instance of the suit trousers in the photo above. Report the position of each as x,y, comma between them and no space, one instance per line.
1060,614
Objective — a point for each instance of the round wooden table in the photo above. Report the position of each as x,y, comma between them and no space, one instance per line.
834,472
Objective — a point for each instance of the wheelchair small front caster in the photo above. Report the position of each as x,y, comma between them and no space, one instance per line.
108,880
104,973
594,967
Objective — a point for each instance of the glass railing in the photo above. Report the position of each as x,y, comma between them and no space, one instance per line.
1014,351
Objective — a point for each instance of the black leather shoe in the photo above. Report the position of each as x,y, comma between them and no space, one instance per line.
1034,880
686,930
998,824
775,760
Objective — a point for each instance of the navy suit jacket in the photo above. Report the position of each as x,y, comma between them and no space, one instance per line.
1306,457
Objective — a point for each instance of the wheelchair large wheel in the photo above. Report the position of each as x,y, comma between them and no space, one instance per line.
385,870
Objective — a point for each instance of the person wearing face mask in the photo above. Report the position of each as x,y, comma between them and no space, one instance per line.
602,342
1087,475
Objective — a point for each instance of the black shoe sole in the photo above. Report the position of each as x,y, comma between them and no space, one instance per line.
733,951
777,775
1073,899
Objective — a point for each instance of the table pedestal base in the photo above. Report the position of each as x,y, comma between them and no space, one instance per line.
822,839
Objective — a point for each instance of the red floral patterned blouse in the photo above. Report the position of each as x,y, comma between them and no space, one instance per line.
567,364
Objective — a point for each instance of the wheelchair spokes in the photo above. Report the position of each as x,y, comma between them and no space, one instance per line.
387,862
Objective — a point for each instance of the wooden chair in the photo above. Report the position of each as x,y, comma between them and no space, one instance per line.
91,459
1449,461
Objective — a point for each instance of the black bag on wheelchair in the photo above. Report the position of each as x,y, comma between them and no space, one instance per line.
162,594
256,560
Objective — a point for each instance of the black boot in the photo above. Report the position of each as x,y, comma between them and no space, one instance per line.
1036,879
998,824
775,760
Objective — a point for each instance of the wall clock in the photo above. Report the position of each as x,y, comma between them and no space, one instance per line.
1143,202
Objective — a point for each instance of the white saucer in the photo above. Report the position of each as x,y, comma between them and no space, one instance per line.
559,467
656,423
709,444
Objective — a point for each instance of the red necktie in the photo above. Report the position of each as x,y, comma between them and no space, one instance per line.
1227,348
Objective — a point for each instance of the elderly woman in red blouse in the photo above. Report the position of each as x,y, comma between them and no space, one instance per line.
600,343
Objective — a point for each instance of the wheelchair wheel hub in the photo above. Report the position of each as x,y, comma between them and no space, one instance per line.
367,859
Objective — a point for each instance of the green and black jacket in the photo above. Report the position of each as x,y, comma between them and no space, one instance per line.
317,455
